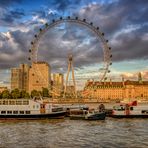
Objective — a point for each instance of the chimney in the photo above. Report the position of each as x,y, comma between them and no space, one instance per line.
110,81
140,78
123,83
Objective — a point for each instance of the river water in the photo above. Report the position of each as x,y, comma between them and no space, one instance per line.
65,133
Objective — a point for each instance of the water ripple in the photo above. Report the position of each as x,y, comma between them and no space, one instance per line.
67,133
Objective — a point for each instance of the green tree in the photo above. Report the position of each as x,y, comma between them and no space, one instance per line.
24,94
45,92
5,94
27,96
15,93
0,95
34,93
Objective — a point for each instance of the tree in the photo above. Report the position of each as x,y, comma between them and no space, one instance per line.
27,96
15,93
24,94
45,92
5,94
34,93
0,95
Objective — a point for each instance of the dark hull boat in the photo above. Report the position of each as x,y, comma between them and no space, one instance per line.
57,115
93,114
97,116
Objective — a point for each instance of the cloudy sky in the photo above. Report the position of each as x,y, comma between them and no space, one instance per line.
124,22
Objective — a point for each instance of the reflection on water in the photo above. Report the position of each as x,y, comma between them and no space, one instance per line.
74,133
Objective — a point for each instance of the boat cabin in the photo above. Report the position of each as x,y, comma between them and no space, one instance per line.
26,106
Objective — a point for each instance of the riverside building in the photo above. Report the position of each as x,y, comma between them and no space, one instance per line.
39,76
20,77
58,84
2,88
116,91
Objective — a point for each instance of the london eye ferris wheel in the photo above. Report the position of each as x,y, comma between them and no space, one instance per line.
106,49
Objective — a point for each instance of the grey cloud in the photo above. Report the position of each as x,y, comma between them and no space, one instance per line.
131,46
6,3
9,17
54,46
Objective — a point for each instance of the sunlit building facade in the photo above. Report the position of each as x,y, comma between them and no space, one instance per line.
39,76
114,91
2,88
57,87
19,77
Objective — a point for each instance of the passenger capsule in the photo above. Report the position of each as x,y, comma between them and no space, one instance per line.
84,20
46,24
91,23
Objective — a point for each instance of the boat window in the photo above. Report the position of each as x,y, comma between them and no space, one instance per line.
18,102
5,102
9,112
122,108
131,108
26,102
11,102
144,111
119,108
21,112
27,112
42,106
3,112
15,112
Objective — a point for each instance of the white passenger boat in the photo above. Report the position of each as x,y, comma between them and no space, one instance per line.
130,110
29,109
